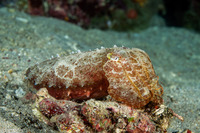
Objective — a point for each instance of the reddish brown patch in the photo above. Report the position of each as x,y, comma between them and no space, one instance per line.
132,14
69,74
50,108
189,131
61,70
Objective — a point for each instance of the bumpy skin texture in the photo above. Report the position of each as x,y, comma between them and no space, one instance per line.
125,74
132,78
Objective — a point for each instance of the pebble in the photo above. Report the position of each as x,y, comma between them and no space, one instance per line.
20,92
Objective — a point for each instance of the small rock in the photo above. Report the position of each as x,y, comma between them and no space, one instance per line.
20,92
8,96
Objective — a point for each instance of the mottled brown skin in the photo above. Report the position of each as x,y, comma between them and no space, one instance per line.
125,74
88,80
132,78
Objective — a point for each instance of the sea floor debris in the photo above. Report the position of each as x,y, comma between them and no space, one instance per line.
99,115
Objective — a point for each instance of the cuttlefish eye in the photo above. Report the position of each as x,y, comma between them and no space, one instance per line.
110,56
116,58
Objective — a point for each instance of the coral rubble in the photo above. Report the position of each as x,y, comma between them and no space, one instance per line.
98,116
